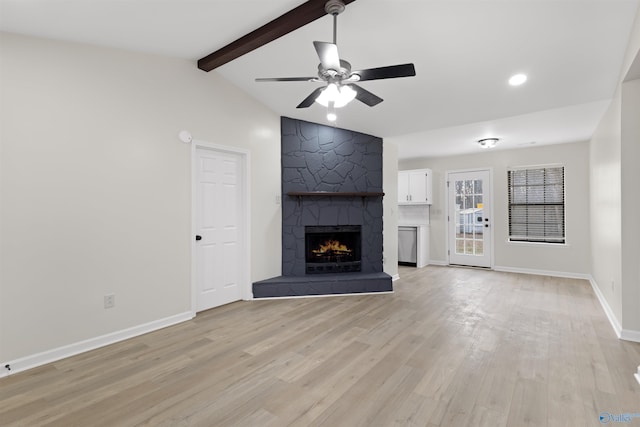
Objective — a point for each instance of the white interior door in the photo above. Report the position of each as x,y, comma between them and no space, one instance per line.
470,218
218,228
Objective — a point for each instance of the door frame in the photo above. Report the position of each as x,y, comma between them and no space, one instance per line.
245,220
449,214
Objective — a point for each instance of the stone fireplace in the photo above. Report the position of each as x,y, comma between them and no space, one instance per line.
331,197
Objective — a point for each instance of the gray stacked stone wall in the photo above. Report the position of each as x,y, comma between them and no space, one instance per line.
324,158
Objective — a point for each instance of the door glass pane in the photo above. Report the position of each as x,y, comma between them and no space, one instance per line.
469,217
477,186
477,201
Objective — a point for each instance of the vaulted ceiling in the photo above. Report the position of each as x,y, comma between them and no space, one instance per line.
464,53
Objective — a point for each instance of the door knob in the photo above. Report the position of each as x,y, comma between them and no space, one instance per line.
198,237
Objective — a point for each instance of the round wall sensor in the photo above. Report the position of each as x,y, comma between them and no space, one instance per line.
185,136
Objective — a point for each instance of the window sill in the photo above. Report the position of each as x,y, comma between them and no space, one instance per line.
543,244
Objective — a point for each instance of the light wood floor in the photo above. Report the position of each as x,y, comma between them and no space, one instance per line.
451,347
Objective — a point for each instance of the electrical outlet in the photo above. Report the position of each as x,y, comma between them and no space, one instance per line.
109,301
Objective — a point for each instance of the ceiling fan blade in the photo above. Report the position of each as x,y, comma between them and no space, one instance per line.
298,17
309,100
328,54
365,96
288,79
390,72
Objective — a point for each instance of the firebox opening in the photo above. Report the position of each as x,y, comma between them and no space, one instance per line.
333,249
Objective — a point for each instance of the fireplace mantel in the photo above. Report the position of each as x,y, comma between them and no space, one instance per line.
334,194
364,194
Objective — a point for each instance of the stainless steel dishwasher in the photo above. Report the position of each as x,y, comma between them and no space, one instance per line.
408,246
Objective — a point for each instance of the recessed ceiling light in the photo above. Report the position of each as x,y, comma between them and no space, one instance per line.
517,79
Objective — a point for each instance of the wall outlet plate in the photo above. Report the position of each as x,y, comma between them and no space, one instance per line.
109,301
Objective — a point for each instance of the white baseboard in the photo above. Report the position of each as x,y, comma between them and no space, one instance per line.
551,273
617,328
437,262
623,334
630,335
395,277
49,356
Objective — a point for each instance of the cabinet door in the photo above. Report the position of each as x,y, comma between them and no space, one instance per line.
403,187
418,186
429,176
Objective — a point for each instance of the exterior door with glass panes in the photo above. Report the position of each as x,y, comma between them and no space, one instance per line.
469,218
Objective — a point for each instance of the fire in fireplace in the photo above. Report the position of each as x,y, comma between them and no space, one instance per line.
333,249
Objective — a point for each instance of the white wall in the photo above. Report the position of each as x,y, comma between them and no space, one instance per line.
95,187
630,153
614,155
571,259
606,207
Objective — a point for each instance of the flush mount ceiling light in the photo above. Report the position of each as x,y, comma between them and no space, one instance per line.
517,80
488,142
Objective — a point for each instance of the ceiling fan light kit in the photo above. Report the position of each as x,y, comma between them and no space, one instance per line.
340,87
340,96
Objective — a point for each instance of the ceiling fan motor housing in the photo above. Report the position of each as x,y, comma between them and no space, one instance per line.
334,7
335,76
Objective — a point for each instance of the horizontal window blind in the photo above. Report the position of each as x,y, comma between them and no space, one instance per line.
536,205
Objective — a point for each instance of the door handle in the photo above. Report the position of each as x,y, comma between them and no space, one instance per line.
198,237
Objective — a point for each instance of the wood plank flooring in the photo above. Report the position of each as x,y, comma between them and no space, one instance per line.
451,347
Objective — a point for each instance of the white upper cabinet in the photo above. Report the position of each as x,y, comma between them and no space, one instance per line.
414,187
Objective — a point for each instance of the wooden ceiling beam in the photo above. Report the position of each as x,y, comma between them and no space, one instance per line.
290,21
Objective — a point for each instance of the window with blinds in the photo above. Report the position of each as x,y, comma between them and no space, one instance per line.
536,204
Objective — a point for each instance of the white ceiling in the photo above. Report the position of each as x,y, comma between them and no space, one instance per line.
464,53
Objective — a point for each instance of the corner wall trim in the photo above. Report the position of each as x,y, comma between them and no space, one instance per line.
59,353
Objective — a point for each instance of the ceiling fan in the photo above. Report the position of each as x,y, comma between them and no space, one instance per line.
341,87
